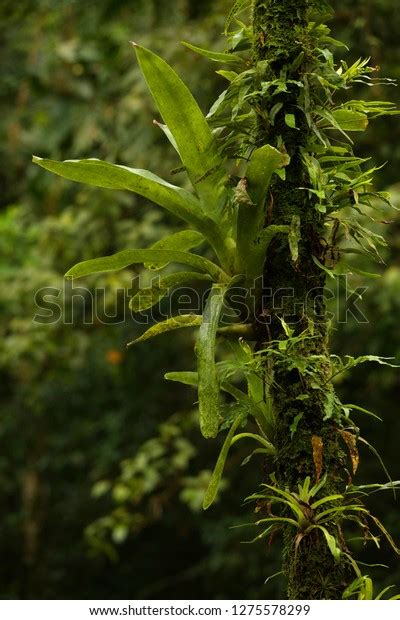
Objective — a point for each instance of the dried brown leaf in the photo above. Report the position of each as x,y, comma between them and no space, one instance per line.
351,442
318,451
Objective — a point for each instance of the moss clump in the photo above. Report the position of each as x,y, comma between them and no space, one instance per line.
278,25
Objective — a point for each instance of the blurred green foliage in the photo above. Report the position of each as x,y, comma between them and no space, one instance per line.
73,403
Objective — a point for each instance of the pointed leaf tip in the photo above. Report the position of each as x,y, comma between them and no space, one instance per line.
194,140
111,176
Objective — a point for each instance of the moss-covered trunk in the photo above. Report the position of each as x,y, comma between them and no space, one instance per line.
307,439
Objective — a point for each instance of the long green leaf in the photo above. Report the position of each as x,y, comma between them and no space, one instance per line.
331,542
175,322
264,442
221,57
212,489
385,533
278,520
100,173
195,141
185,377
278,491
350,120
253,408
383,592
182,241
334,511
263,163
208,390
251,214
324,500
131,257
147,297
382,464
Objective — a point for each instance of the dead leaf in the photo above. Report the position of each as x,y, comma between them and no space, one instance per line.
351,442
318,450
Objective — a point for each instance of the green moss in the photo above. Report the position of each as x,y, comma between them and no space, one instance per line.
277,25
312,572
279,38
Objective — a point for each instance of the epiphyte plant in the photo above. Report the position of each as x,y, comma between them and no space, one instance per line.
278,201
232,227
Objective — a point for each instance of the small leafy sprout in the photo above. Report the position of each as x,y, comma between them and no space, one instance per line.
362,589
308,515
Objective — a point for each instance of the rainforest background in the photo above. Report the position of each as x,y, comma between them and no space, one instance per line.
102,468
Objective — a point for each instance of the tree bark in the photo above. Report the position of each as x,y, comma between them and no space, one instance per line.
293,291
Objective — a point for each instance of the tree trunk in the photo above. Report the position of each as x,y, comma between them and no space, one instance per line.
293,291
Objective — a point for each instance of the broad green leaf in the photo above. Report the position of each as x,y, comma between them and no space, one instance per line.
175,322
132,257
290,121
251,216
182,241
228,75
329,121
263,163
224,58
178,201
145,298
195,141
349,120
212,489
295,423
208,390
100,173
